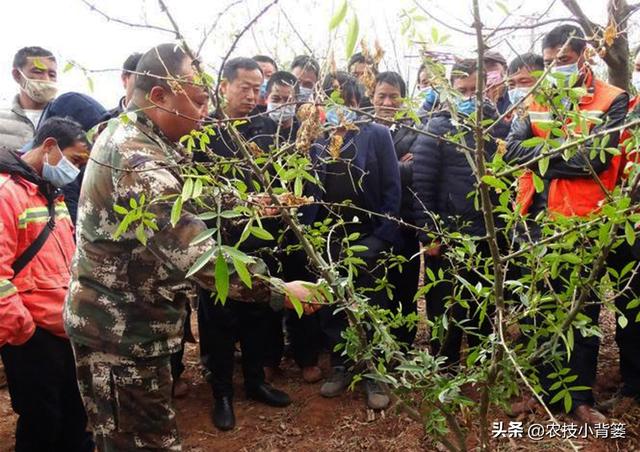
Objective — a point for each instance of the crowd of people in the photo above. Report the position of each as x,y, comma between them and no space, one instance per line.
94,317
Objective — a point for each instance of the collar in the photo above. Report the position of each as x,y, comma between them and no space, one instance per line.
175,151
16,107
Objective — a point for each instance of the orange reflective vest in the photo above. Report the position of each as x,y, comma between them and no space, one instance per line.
577,196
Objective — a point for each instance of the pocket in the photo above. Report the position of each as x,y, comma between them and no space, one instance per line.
143,401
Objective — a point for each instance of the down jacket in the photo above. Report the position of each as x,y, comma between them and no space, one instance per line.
443,180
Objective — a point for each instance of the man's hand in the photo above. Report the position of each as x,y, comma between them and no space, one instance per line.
301,291
265,205
433,250
407,157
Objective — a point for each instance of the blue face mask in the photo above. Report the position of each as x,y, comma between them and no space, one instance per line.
430,96
60,175
467,105
516,94
567,71
263,89
334,114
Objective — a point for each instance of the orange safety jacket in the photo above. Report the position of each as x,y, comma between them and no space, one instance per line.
576,196
35,296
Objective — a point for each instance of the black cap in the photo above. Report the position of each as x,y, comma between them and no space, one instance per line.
495,57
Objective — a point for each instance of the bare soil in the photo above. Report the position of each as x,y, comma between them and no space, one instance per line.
312,423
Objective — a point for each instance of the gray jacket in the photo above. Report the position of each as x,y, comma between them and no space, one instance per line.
15,128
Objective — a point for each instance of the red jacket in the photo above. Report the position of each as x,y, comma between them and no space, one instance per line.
35,297
579,196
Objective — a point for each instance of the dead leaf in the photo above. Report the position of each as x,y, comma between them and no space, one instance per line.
610,33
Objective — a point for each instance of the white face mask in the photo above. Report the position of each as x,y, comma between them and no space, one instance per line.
40,91
281,113
305,94
635,80
60,175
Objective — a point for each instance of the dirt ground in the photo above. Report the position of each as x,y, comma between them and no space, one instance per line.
312,423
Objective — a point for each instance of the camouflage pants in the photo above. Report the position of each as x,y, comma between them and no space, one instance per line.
128,401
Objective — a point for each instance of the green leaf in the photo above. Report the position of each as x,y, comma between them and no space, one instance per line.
243,273
176,210
494,182
567,402
119,209
90,83
295,302
261,233
339,16
623,321
37,62
558,396
140,234
629,233
222,278
68,67
187,189
538,183
200,262
204,235
532,142
543,166
352,35
197,188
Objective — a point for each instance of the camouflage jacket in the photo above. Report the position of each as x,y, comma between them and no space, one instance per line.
128,298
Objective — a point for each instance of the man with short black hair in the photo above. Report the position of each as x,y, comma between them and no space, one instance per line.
35,71
444,184
569,187
221,326
307,71
521,77
36,247
128,78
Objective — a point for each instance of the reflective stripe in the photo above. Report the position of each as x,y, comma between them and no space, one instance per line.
591,113
540,116
41,215
6,288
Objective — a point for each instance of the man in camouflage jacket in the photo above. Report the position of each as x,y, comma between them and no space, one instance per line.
127,300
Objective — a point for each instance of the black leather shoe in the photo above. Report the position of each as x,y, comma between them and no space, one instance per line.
268,395
223,417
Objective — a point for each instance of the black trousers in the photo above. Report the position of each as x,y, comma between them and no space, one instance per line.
406,283
219,327
304,332
583,360
334,322
177,366
628,337
41,374
459,318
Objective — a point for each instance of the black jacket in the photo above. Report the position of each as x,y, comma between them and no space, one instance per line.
380,184
443,179
404,140
257,131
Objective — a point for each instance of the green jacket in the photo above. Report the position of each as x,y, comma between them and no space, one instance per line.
127,298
